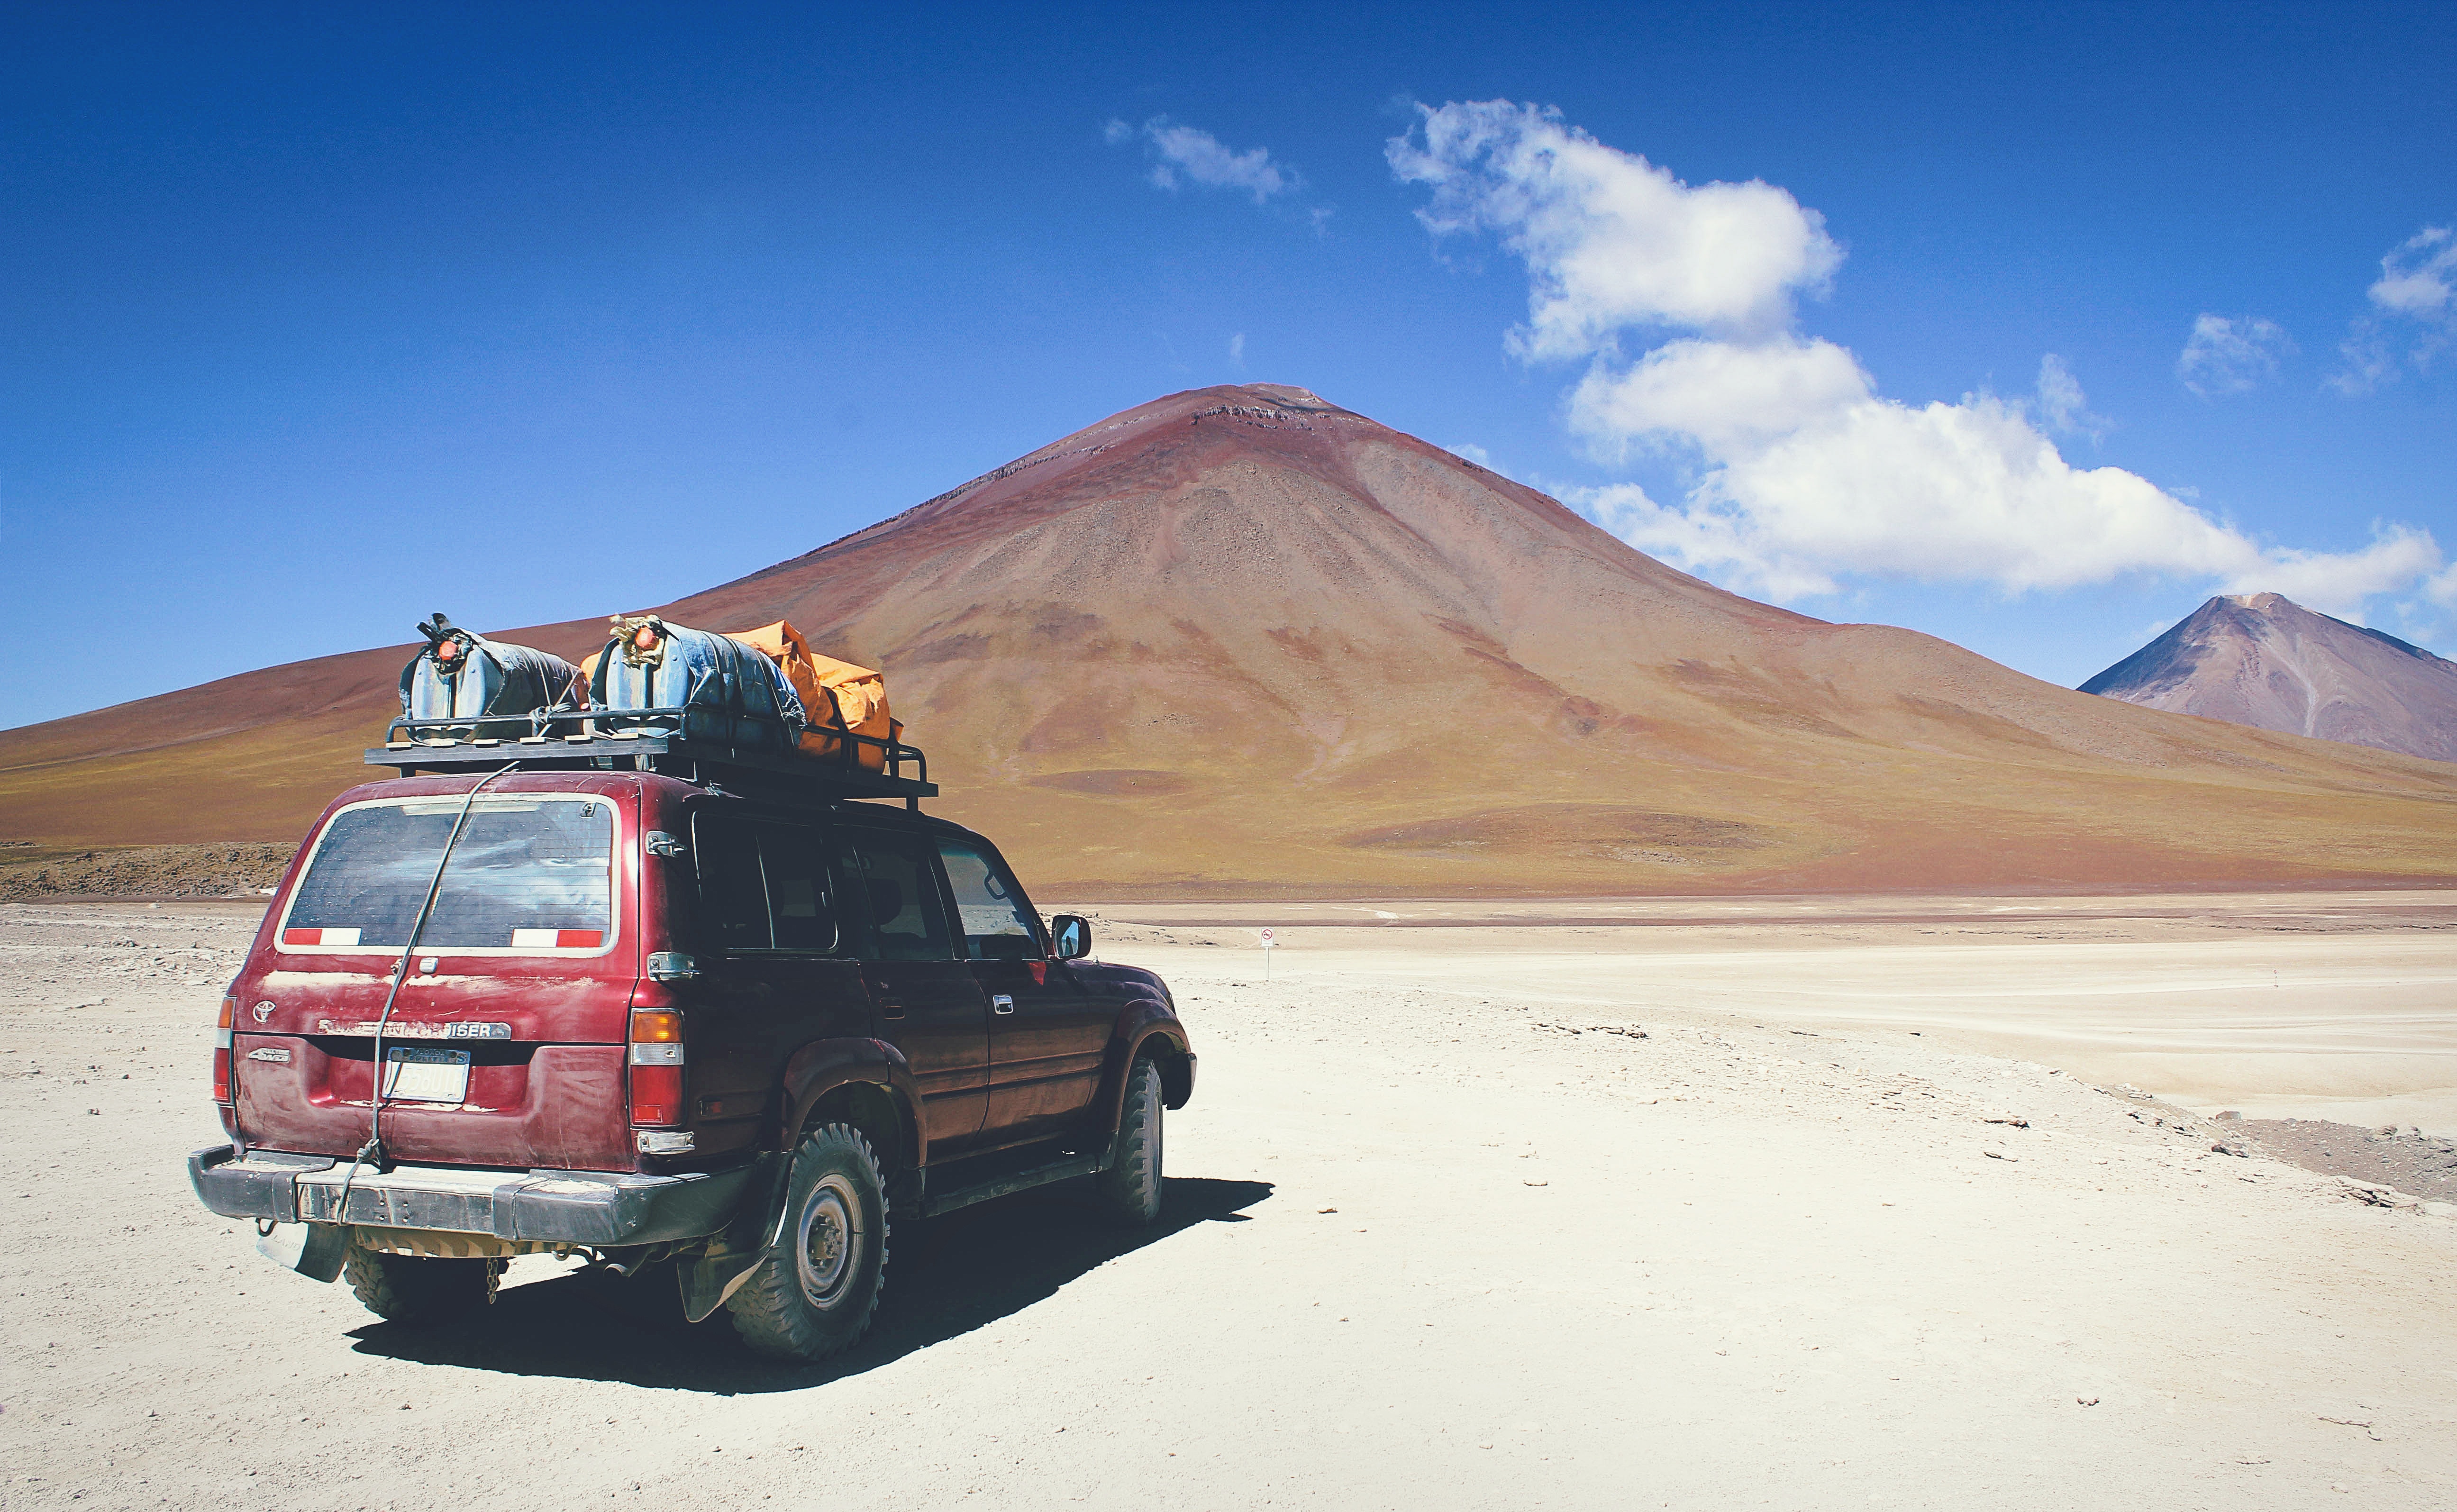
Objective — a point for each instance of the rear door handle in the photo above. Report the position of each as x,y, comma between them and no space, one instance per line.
1001,1002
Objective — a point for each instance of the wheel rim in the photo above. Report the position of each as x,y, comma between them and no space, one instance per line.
1156,1127
828,1241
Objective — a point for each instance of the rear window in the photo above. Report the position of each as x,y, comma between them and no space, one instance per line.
531,874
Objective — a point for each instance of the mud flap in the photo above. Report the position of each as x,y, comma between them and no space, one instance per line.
709,1279
718,1270
315,1250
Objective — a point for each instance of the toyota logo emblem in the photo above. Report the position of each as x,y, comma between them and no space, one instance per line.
263,1012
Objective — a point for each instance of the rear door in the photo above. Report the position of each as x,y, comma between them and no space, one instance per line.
1048,1045
778,972
928,1005
505,1044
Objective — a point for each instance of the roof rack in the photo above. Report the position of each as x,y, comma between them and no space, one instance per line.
652,740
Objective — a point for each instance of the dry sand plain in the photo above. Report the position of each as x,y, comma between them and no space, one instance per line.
2295,1005
1589,1214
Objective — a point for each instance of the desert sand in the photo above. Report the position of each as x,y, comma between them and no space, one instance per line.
1666,1205
2312,1006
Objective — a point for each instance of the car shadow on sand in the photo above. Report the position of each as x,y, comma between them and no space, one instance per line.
946,1276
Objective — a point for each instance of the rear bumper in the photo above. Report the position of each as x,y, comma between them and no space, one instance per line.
571,1206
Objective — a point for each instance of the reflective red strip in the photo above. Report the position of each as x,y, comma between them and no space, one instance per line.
579,939
319,937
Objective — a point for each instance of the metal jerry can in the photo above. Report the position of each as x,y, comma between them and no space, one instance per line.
463,686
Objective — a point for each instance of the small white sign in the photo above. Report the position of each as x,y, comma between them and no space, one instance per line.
1267,941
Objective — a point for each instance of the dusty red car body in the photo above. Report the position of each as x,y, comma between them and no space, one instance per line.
769,1040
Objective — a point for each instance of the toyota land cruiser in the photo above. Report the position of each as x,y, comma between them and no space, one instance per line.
639,1008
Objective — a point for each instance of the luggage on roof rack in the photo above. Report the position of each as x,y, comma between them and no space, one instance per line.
906,775
463,686
836,697
694,682
689,703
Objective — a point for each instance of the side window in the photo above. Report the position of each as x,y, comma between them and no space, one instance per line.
799,908
763,887
896,877
732,901
990,912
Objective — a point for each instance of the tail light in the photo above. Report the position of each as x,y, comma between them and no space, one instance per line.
223,1049
657,1068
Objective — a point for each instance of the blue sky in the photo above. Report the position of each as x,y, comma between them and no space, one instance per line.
317,319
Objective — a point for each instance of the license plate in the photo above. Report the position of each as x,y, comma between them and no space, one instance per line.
417,1075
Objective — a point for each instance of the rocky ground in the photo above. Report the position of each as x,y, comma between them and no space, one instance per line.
31,872
2406,1160
1434,1238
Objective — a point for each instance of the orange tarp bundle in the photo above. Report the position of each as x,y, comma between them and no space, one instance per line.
836,694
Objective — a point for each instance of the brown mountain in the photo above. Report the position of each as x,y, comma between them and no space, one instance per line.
2264,660
1242,641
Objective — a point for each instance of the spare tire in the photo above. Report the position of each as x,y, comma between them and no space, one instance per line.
416,1290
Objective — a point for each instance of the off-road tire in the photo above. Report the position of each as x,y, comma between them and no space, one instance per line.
1130,1189
416,1290
813,1294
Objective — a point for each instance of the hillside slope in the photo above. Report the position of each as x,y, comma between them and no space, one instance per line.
1242,641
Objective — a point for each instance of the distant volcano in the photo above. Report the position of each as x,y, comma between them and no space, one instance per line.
1241,641
2264,660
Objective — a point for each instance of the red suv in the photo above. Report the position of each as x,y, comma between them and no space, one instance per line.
639,1011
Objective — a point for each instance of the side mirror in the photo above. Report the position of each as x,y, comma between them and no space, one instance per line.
672,965
1072,935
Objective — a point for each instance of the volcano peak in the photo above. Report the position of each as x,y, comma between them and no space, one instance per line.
2261,659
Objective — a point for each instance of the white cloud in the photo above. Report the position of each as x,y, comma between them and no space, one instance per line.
1967,491
2060,396
2417,280
2338,582
1805,475
1970,492
2231,353
2370,362
1720,397
2414,308
2062,403
1611,240
1237,349
1188,154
